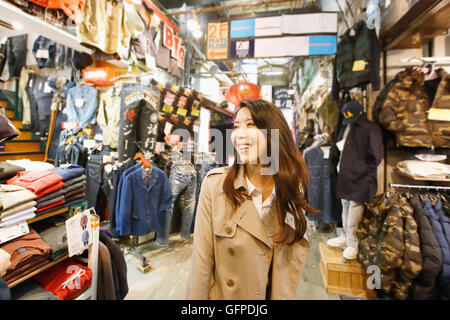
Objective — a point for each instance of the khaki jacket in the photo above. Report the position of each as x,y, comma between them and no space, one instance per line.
232,252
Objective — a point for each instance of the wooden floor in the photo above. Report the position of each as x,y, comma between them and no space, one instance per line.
167,280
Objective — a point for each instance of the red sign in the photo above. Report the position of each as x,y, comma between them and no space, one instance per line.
174,43
99,76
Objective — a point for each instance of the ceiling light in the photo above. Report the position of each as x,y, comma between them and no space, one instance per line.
197,34
273,73
17,25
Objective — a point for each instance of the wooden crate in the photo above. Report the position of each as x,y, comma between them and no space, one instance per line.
344,278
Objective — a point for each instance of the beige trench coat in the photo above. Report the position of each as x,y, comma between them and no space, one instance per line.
232,252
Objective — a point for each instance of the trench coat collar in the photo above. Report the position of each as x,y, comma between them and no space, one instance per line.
246,215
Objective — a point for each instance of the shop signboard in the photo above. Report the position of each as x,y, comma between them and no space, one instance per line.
175,44
281,97
268,26
217,41
242,49
322,45
242,28
309,23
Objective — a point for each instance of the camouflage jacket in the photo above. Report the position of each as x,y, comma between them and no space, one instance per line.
404,111
388,239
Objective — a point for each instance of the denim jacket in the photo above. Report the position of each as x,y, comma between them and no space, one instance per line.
142,207
321,194
81,105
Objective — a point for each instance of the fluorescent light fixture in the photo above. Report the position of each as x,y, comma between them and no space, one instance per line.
273,73
192,25
17,25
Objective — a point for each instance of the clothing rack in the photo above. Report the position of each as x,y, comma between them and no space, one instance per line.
393,185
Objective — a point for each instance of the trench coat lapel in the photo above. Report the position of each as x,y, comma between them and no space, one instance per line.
246,215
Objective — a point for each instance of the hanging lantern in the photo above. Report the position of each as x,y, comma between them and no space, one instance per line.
242,91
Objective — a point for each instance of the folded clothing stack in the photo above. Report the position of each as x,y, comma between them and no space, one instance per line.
53,232
7,171
40,182
17,204
74,185
28,253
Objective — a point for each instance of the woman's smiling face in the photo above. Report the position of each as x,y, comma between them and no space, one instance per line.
248,140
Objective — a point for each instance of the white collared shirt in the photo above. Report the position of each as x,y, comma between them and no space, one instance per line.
256,194
264,207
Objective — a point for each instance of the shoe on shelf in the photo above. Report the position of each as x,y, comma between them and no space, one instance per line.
350,253
338,242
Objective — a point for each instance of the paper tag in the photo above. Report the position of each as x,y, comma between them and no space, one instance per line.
69,125
79,102
89,143
109,9
159,147
167,108
196,129
439,114
47,88
150,61
326,152
107,159
359,65
182,112
114,154
289,220
79,233
195,112
340,145
168,128
42,54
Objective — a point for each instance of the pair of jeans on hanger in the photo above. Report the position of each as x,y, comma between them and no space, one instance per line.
138,120
182,176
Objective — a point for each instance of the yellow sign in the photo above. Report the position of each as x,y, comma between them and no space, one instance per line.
182,112
167,108
439,114
359,65
217,41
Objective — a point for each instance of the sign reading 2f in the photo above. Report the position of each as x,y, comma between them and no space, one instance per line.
217,45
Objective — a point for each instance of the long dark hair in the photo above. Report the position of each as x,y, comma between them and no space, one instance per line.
290,180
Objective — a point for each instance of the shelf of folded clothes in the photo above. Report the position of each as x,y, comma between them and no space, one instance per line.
424,170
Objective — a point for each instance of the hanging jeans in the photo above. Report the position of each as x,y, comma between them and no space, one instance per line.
179,180
352,213
109,187
94,180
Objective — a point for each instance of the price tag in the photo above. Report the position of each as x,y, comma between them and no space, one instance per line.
359,65
47,88
70,125
159,147
42,54
167,108
150,61
182,112
196,129
439,114
168,128
89,143
79,102
326,152
195,112
109,9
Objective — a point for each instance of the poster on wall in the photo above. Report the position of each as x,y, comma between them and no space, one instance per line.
282,98
217,41
242,49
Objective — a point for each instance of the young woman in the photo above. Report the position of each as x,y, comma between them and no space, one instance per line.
249,230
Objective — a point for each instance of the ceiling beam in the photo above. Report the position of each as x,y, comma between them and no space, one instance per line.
230,6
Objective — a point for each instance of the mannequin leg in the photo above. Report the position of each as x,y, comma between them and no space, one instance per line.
355,213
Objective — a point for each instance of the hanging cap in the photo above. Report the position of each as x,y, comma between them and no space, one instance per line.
351,112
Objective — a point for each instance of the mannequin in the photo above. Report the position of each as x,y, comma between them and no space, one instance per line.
361,140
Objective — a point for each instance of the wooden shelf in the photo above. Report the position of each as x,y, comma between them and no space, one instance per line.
35,272
405,174
48,215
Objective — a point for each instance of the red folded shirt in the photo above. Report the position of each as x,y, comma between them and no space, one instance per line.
67,279
36,181
50,206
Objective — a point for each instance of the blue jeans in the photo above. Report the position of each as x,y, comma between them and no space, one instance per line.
94,180
180,180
